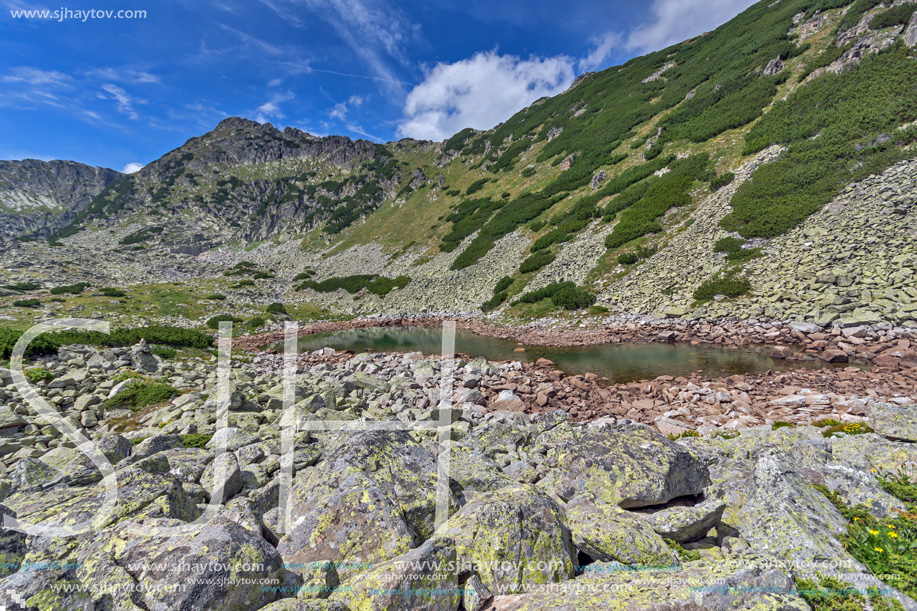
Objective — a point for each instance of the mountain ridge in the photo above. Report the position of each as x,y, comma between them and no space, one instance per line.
734,146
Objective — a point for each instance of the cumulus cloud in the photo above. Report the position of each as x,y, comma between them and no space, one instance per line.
132,167
480,92
271,108
676,20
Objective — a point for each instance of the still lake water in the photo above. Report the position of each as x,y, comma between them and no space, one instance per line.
618,362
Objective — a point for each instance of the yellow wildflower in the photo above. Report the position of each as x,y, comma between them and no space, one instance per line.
874,532
893,535
879,549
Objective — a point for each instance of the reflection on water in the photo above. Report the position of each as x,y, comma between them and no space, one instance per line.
618,362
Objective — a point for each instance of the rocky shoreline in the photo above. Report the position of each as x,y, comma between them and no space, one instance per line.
541,511
675,405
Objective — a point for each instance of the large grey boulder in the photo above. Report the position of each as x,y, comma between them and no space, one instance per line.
683,524
513,536
371,498
220,567
898,422
423,578
629,466
746,580
610,534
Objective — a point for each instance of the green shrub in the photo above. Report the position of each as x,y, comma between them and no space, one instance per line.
256,322
728,245
164,352
262,275
74,289
38,374
527,172
628,258
214,322
309,273
536,261
897,15
781,424
494,302
831,129
137,395
26,303
216,297
195,440
721,181
22,286
597,309
683,434
378,285
277,308
543,293
683,554
572,298
476,186
110,292
242,283
503,284
722,284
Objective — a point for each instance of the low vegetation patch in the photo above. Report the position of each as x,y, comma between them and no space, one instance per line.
564,295
214,322
886,546
155,334
38,374
378,285
195,440
73,289
137,395
277,308
724,284
27,303
110,292
536,261
22,286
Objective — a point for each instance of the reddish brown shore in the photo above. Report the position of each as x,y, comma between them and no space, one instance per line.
670,404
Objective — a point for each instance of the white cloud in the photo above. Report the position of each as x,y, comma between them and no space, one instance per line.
271,108
34,76
603,46
274,82
126,75
480,92
677,20
340,111
124,101
132,167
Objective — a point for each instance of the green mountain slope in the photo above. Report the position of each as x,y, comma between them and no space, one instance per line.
695,180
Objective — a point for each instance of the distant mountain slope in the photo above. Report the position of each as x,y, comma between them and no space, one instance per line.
674,184
41,196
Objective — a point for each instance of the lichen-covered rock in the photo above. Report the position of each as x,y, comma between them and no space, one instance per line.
231,438
610,534
223,475
894,421
746,580
786,516
289,604
12,545
139,494
423,578
221,567
513,536
371,498
474,472
30,472
686,523
630,466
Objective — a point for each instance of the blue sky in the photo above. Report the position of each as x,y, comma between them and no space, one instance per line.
122,92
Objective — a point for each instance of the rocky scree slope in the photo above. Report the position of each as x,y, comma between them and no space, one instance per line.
543,512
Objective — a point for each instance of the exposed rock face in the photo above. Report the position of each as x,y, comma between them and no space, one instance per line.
41,196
